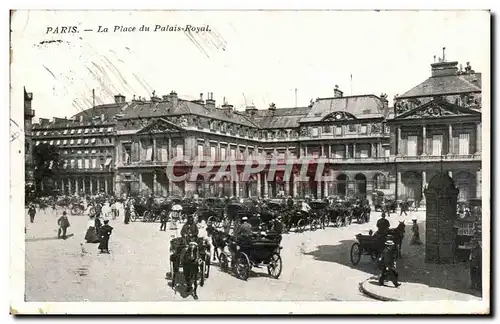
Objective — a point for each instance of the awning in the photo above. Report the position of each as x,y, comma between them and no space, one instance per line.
108,162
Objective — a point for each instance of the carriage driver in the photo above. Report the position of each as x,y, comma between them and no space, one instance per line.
383,225
189,230
305,208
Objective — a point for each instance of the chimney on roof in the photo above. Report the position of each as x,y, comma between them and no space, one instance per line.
119,99
165,97
210,102
154,97
337,93
251,110
172,97
272,106
444,68
200,101
227,107
43,121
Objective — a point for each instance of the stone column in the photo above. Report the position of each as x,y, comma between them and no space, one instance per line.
329,151
259,185
217,154
354,150
106,180
325,192
77,185
155,183
140,182
373,150
237,184
69,186
170,150
424,185
286,186
98,185
62,186
424,140
399,151
450,139
346,151
83,184
294,186
153,157
478,138
478,184
322,150
266,185
379,150
91,186
398,184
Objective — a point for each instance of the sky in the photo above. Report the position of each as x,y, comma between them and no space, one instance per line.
247,57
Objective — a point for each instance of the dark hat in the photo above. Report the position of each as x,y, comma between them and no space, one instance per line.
106,221
64,212
190,216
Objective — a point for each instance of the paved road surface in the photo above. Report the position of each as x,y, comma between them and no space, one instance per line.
316,266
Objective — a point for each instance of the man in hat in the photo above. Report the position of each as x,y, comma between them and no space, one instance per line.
163,220
244,232
387,262
32,212
383,225
63,223
415,240
104,234
189,230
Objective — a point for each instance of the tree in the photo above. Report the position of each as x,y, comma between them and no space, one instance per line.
47,164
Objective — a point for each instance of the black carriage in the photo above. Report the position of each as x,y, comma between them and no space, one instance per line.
258,252
178,248
371,245
340,213
211,211
319,213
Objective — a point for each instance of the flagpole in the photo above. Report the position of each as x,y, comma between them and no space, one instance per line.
351,84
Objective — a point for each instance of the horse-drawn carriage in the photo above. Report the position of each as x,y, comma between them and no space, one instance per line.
260,251
192,255
211,210
373,244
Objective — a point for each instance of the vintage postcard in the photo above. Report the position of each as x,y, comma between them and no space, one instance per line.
250,162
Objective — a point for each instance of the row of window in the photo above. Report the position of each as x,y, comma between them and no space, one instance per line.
74,131
93,151
77,141
413,145
94,163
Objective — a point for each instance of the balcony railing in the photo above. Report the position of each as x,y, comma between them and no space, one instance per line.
436,158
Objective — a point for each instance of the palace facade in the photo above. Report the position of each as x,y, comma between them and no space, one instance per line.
29,113
364,145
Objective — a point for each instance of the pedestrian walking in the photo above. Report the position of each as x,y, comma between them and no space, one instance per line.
104,234
388,264
415,239
32,212
163,220
63,223
476,266
404,208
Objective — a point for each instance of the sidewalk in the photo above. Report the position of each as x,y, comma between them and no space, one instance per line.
421,280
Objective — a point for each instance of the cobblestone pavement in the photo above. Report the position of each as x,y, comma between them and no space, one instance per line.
316,266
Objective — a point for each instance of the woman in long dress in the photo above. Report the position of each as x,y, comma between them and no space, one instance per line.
91,235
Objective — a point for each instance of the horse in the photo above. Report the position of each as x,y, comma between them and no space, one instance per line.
397,236
218,241
190,260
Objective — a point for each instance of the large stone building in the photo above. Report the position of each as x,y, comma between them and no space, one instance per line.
86,145
29,113
437,127
364,145
346,133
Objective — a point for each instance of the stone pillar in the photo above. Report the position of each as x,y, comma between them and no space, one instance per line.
329,151
286,186
140,182
424,140
325,192
346,151
106,180
91,186
450,139
155,183
259,185
398,184
399,151
322,150
217,155
69,186
354,150
98,185
62,186
478,184
294,186
153,157
237,186
478,138
424,186
77,185
170,150
373,150
266,186
83,184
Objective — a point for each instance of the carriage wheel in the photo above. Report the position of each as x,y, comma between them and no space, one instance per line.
75,210
275,266
133,216
355,253
300,225
243,266
224,262
314,225
207,265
